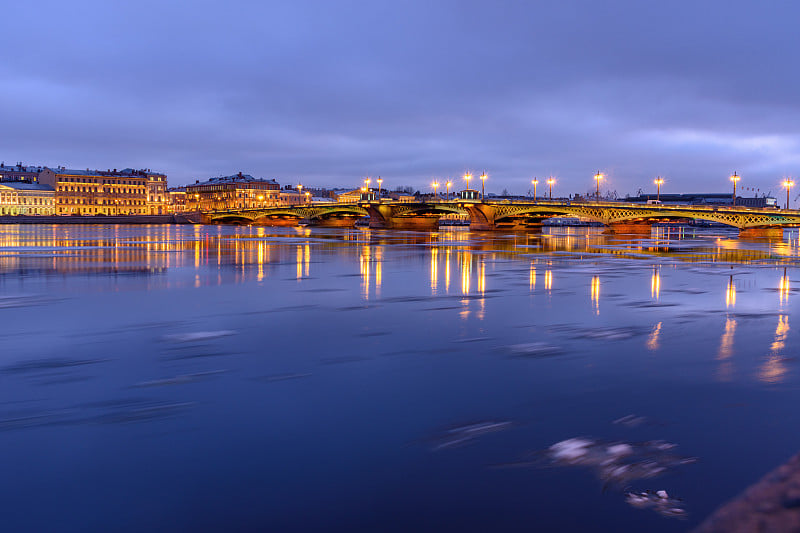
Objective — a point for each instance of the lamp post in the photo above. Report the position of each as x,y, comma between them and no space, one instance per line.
788,183
380,182
535,182
300,189
467,177
483,185
550,182
734,179
597,178
308,197
447,184
658,181
435,186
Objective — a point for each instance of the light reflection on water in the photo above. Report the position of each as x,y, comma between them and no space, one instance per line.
308,368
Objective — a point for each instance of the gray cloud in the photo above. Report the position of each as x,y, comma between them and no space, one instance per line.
327,92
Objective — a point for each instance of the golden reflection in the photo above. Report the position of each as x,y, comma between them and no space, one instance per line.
466,271
364,268
730,293
447,271
655,284
307,258
725,370
654,338
481,276
532,276
299,262
595,293
548,280
774,370
260,260
434,270
378,270
783,288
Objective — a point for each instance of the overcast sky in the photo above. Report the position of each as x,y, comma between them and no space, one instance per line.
325,93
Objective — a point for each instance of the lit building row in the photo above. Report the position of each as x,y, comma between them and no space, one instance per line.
24,198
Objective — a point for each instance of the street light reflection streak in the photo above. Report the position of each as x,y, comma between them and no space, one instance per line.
466,272
307,259
653,341
730,293
655,285
774,369
364,264
548,280
378,270
783,288
532,277
447,271
481,276
299,262
595,293
434,270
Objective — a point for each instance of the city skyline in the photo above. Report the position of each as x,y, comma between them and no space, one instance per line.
328,94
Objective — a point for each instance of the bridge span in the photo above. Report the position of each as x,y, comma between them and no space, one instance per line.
619,217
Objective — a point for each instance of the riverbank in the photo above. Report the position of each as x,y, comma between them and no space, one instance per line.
179,218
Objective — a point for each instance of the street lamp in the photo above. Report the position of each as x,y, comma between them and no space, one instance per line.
467,177
658,181
448,184
734,179
435,186
535,182
550,182
597,178
380,182
788,183
308,197
483,185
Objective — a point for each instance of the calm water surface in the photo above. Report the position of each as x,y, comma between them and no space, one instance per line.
281,379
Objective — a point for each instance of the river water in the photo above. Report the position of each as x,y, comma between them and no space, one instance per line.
292,379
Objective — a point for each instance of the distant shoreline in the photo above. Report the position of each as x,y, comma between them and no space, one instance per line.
179,218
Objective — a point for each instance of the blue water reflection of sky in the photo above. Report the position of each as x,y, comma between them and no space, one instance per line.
218,377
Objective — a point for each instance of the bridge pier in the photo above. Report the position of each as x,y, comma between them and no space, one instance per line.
267,221
334,222
631,228
406,223
766,232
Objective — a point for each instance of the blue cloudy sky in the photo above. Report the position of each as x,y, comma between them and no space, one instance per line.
328,92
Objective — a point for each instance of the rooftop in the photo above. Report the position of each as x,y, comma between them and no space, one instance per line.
234,178
24,186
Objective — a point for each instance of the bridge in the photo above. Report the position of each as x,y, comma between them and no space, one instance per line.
619,217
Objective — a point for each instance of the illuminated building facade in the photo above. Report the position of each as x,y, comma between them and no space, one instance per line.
239,191
157,197
96,192
23,198
176,200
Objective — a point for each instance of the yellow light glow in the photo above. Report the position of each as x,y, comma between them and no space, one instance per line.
653,339
595,293
658,181
532,277
730,294
735,177
548,280
655,285
434,270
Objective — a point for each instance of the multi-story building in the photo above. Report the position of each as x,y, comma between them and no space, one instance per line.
157,198
177,200
25,198
292,197
239,191
96,192
19,172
